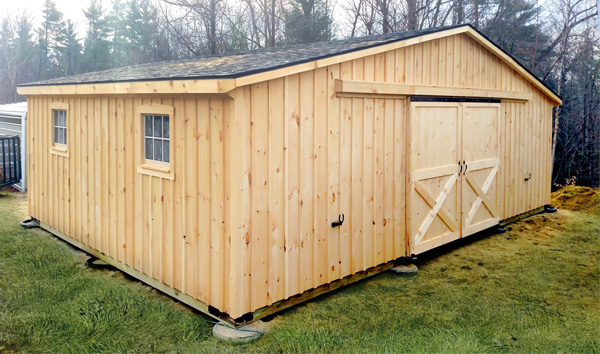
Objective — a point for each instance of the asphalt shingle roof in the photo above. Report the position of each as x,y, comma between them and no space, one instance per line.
238,64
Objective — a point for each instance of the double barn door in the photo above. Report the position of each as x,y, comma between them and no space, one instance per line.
453,167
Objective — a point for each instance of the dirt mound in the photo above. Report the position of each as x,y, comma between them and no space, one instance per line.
577,198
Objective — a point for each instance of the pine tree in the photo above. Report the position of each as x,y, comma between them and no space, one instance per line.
68,50
117,23
148,41
141,21
47,34
96,52
25,51
514,29
6,64
308,21
16,54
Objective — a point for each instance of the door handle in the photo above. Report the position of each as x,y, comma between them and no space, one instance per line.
466,167
461,167
339,222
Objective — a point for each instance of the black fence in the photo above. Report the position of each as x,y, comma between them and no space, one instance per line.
10,160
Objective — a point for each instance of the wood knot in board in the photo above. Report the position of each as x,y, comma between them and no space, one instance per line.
247,238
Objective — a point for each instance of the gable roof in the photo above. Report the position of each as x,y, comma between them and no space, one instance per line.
227,67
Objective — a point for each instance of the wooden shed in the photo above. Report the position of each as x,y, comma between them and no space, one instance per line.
223,181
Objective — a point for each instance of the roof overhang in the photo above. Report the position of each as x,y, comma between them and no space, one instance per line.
214,86
223,86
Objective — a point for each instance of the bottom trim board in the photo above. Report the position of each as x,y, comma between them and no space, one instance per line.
521,216
262,312
186,299
323,289
204,308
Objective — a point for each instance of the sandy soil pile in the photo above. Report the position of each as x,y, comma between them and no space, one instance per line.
577,198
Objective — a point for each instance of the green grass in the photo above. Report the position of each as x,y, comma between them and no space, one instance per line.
535,288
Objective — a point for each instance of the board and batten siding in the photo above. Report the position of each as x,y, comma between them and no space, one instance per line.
170,230
525,129
311,155
260,174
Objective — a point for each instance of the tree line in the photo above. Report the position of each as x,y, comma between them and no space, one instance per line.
557,40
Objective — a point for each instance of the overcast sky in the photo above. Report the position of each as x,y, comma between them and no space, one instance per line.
71,9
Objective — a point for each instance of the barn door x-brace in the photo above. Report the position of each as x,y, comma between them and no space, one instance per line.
453,166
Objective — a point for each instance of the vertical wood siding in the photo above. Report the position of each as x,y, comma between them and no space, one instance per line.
525,127
315,156
171,230
259,178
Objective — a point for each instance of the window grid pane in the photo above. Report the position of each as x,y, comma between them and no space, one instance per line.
60,126
166,150
158,150
148,126
148,149
156,138
157,126
165,127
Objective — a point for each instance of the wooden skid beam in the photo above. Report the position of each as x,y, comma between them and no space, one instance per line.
323,289
521,216
186,299
349,87
204,308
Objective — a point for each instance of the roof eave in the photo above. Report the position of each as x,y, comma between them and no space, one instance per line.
173,86
225,85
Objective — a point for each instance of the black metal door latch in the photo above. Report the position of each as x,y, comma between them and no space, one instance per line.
339,222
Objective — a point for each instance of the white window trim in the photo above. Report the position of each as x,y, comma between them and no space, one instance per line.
151,167
55,148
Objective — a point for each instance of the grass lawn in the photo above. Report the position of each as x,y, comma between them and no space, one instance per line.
535,288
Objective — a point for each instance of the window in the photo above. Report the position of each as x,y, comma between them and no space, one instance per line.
58,135
156,138
155,127
59,117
